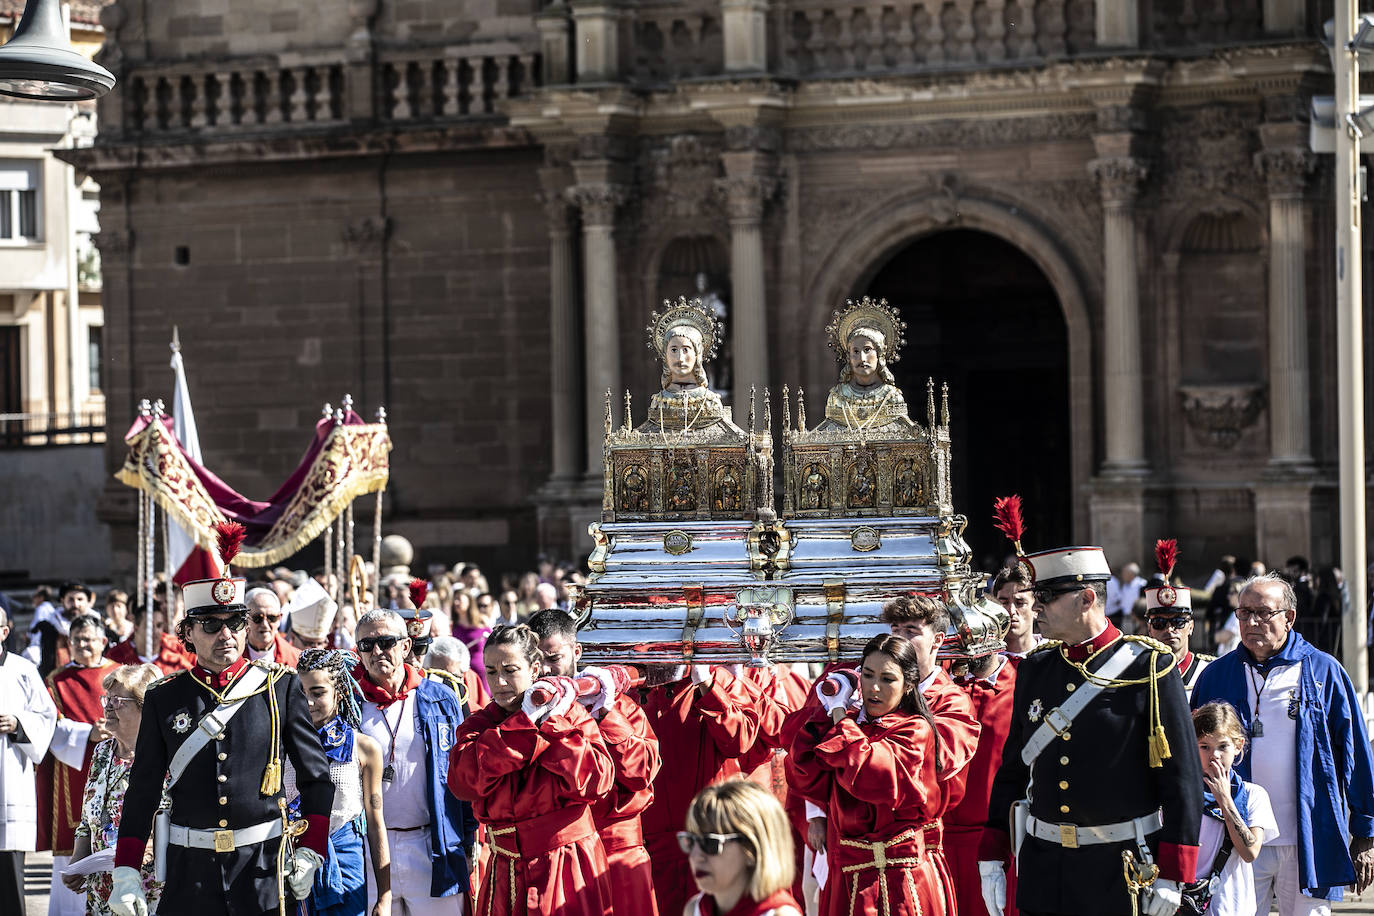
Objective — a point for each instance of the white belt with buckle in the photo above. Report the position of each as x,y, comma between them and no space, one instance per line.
1072,836
223,840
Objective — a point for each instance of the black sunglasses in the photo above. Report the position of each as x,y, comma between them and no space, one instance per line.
266,618
1046,595
1159,622
212,625
385,643
709,843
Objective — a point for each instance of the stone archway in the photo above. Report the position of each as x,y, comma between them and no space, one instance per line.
883,232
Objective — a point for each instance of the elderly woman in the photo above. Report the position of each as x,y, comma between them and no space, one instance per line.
106,782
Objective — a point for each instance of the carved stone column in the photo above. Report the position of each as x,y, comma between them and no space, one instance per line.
555,31
1119,178
596,35
563,360
601,324
746,35
745,196
1285,173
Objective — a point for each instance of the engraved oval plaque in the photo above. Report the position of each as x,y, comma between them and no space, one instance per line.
677,542
865,538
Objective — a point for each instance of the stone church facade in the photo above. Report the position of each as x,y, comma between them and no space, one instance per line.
1100,219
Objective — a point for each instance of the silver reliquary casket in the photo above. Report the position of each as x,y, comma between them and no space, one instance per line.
692,563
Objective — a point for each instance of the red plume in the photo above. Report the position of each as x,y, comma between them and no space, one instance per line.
419,590
1166,555
229,538
1006,515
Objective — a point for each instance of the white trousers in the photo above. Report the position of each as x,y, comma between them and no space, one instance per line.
62,902
411,875
1276,875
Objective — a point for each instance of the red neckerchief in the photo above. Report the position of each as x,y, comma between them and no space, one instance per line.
382,696
222,679
1185,663
1080,651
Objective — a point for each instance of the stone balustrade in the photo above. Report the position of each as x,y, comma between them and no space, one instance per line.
253,96
676,41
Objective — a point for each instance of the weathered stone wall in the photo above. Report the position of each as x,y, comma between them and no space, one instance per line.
48,524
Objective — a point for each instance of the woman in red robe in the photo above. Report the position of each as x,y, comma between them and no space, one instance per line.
740,850
532,773
874,770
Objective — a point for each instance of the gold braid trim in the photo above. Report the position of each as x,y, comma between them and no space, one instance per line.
881,863
451,681
271,776
1158,741
511,859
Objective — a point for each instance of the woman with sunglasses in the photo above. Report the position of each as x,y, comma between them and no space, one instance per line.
872,766
532,768
739,845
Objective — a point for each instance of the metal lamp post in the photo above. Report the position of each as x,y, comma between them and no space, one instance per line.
38,61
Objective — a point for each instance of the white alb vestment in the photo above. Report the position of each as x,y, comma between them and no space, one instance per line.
23,696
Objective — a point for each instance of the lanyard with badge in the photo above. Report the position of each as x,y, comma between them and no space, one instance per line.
389,771
1294,702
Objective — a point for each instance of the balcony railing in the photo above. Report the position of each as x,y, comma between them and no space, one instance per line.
26,430
217,98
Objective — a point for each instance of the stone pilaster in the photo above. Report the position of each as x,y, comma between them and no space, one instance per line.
1119,178
745,196
563,359
1285,172
555,43
1118,24
746,35
601,324
596,36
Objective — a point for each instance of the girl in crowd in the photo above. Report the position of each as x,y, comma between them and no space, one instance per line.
355,766
873,768
1237,817
739,845
532,771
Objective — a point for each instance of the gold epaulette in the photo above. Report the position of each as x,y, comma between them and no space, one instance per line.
1204,657
274,670
167,677
451,681
1046,644
1148,642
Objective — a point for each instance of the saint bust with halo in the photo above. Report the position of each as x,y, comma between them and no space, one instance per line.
685,335
866,336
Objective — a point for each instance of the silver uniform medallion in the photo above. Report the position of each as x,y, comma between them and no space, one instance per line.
181,723
1035,709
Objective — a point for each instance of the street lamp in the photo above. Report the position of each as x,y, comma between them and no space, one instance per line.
38,61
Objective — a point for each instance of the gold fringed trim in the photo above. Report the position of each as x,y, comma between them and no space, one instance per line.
1158,741
353,462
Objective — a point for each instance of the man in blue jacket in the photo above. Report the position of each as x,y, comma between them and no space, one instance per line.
1308,749
430,833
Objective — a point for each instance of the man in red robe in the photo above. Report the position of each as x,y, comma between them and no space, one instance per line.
635,753
77,691
163,649
710,719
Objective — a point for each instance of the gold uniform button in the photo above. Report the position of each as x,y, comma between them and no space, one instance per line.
1063,809
219,737
223,756
1070,688
221,777
224,823
1063,783
223,800
1063,761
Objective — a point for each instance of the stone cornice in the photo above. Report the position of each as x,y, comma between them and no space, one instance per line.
206,151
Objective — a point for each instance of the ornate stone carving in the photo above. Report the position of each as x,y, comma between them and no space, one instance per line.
746,195
752,137
1208,149
960,133
367,235
1119,178
598,202
680,174
1285,171
1219,414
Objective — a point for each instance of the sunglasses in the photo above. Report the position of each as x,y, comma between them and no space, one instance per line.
385,643
1046,595
1168,623
212,625
265,618
109,702
709,843
1257,614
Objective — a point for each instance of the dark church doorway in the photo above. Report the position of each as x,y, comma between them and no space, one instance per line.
982,316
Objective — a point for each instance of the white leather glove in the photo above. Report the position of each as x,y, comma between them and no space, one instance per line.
844,691
994,877
1163,898
301,879
701,674
126,895
564,695
609,690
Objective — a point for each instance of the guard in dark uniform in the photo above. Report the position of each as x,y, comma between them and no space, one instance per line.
1113,780
1169,616
224,846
